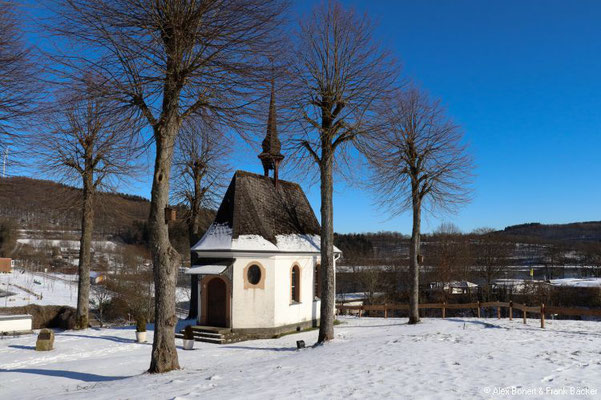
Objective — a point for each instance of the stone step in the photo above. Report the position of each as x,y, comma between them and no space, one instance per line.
213,334
209,340
207,334
202,338
211,329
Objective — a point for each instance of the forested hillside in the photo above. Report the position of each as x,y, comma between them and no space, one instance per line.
530,244
34,205
46,206
573,232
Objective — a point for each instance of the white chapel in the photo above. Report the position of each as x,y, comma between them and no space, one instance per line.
257,266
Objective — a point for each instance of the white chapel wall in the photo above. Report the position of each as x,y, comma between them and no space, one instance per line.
286,312
253,307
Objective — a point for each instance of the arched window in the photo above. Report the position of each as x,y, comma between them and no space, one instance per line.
295,284
316,281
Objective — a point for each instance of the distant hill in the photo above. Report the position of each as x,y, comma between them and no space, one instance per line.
35,204
572,232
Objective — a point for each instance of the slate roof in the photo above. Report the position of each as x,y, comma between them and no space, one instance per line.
257,216
252,205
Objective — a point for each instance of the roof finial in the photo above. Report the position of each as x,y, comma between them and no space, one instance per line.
271,156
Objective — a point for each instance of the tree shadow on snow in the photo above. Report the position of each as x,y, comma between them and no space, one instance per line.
80,376
110,338
18,346
262,348
373,326
475,322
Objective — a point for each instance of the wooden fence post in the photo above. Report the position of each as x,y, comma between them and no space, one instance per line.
478,309
444,309
542,316
524,314
511,310
385,311
498,312
361,312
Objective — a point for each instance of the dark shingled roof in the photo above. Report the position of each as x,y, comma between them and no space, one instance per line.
252,205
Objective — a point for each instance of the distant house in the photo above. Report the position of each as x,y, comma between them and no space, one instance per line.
6,265
257,265
455,287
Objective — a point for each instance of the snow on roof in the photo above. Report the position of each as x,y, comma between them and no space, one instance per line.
219,238
454,284
511,282
206,269
462,284
585,282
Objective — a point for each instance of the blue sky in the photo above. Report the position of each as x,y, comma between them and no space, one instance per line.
523,79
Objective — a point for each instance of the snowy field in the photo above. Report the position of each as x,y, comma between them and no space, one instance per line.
97,245
371,358
48,289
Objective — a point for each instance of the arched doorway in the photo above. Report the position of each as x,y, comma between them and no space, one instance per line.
216,300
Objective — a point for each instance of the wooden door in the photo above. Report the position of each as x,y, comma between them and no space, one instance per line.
216,302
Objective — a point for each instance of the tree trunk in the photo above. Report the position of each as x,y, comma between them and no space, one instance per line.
165,258
85,256
193,312
414,251
193,237
328,275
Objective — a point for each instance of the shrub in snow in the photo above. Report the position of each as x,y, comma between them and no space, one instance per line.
188,333
140,323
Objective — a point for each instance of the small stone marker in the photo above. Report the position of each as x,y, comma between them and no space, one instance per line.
45,340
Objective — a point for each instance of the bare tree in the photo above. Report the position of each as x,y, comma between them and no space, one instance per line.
419,163
84,142
340,73
491,256
8,237
448,255
19,87
200,173
101,300
170,60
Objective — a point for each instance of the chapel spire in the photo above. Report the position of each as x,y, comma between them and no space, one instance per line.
271,156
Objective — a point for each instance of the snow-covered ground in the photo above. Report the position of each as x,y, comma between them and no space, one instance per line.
371,358
47,289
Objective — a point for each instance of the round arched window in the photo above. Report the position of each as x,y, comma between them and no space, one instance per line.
253,274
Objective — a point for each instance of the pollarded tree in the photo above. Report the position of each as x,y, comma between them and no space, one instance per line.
85,143
340,74
171,60
420,162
